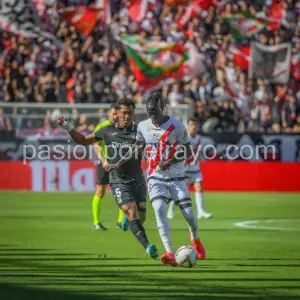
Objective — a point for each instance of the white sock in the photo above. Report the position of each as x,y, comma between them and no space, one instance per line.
163,227
171,207
189,215
199,201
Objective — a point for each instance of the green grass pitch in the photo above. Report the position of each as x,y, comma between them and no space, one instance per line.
48,250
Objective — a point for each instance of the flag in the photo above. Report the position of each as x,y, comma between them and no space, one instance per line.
154,63
20,17
295,66
270,62
83,18
241,55
244,25
194,9
275,16
104,6
138,9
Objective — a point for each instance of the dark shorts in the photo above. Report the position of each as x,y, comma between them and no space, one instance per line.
130,192
102,175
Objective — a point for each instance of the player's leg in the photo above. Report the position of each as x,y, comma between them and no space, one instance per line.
199,199
158,193
170,214
102,181
120,218
124,196
97,206
180,194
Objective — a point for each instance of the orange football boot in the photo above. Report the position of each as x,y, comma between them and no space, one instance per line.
199,248
168,259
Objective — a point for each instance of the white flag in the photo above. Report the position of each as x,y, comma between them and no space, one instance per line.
20,17
271,62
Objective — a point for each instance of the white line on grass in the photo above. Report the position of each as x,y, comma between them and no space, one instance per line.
251,224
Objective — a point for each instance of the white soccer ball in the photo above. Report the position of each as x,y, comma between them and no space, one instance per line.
186,256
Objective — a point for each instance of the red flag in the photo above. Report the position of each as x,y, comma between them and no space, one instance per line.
275,16
138,9
83,18
241,56
194,9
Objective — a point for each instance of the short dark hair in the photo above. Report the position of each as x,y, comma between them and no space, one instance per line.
113,106
156,99
192,119
125,102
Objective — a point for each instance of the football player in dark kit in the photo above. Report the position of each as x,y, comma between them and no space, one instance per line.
127,182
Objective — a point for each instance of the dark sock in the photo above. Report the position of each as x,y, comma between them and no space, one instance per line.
139,232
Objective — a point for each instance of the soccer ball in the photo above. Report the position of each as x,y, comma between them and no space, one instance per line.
186,256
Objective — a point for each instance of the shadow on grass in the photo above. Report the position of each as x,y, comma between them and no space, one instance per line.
14,292
29,279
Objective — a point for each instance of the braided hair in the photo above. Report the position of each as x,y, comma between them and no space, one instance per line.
156,99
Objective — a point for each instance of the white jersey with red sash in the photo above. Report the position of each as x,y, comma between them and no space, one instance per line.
161,144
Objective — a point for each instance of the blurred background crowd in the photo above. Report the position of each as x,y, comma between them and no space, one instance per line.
94,69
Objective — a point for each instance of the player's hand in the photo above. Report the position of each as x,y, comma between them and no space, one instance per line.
164,165
64,124
108,167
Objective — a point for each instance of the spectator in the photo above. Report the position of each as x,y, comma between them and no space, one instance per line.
290,111
95,71
175,97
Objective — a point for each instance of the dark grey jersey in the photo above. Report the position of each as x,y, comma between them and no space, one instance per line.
118,141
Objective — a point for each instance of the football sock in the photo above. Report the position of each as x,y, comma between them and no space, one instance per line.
139,232
189,215
96,205
120,216
199,201
163,227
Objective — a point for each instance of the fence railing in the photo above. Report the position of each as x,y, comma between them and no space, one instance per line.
26,116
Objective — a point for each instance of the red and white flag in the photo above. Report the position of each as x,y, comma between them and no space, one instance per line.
139,8
195,9
104,7
242,56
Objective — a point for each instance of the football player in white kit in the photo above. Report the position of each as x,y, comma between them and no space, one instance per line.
193,173
163,135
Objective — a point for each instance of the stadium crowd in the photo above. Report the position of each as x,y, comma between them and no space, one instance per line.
97,71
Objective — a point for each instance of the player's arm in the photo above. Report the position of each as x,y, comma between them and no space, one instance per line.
75,135
97,150
132,152
137,147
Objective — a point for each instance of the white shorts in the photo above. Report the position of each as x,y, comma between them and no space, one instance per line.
168,190
194,176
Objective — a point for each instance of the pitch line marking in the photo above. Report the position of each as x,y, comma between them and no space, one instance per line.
251,225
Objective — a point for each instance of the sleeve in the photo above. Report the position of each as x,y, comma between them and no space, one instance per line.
139,133
182,135
99,134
